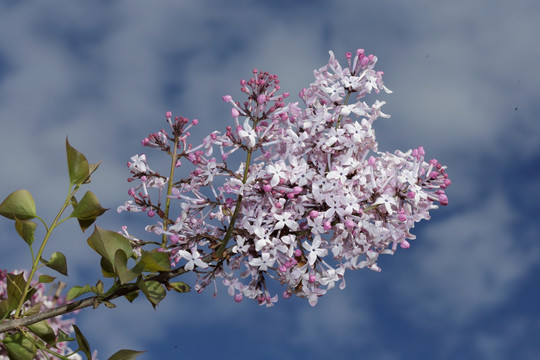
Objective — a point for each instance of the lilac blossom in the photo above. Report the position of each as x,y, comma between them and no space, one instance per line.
312,198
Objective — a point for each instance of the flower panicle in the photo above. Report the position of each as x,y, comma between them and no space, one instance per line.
314,197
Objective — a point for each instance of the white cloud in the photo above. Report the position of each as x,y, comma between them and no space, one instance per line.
466,266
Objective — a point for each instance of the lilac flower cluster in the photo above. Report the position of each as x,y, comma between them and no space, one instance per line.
312,198
45,302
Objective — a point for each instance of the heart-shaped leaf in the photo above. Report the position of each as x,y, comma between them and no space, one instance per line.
155,261
78,167
124,274
88,208
106,243
179,286
125,355
26,230
19,347
153,290
19,204
84,346
77,291
57,262
44,331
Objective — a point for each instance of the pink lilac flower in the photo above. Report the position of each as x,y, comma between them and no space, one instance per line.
315,196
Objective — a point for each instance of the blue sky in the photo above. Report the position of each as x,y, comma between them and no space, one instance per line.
466,82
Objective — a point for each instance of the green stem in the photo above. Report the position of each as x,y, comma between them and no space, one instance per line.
169,190
36,260
341,116
42,347
228,235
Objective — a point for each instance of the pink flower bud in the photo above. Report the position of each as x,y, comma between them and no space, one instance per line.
267,188
405,244
313,214
297,252
402,217
443,199
349,224
168,114
261,99
327,225
227,98
195,121
238,297
290,196
234,113
151,213
312,278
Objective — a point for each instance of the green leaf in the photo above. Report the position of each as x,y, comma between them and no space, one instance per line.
125,355
57,262
88,208
19,347
84,346
4,309
124,274
32,310
155,261
15,288
180,287
85,224
77,291
99,287
87,211
153,290
92,167
109,304
78,167
62,336
106,243
46,279
44,331
107,268
26,230
132,296
19,204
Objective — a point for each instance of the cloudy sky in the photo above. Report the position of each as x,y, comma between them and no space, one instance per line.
466,87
